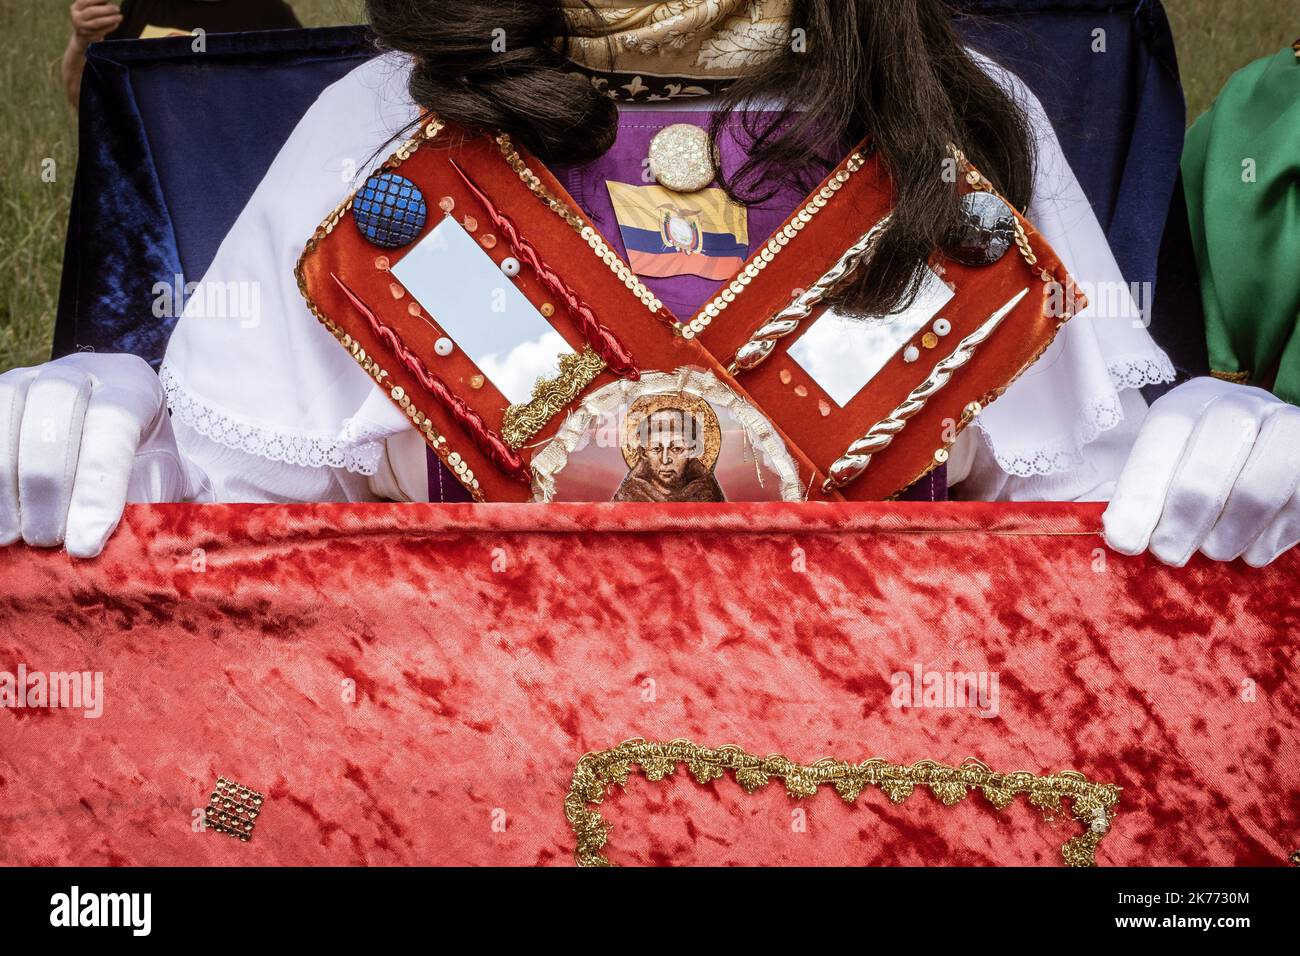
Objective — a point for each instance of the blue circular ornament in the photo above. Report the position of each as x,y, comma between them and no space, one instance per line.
389,210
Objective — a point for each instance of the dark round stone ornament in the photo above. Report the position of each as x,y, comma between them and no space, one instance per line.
987,230
389,210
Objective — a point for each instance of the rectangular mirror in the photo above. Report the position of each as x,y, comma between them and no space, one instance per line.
842,354
482,310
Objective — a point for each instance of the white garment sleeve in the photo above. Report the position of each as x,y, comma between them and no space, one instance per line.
262,397
1063,430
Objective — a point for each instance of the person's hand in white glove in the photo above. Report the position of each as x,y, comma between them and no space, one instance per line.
79,437
1215,468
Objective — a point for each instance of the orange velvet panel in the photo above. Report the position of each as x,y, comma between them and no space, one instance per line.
815,429
343,252
823,430
414,684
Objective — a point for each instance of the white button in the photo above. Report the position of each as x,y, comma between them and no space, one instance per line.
510,266
443,346
911,353
942,326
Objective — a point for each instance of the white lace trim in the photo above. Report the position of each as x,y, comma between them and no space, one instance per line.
356,448
1096,417
1140,372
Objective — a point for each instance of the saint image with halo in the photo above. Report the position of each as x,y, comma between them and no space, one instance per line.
671,445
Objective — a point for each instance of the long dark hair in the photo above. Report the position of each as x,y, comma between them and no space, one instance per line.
894,70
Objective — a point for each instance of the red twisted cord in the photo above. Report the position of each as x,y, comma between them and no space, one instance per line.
488,441
604,342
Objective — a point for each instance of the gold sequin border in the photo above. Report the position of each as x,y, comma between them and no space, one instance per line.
453,459
589,235
1092,804
777,242
977,181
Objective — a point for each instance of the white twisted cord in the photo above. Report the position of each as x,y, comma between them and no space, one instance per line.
763,341
854,461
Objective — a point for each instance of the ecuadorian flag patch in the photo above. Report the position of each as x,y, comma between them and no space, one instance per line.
678,234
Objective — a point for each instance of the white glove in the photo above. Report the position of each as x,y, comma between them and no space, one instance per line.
79,437
1215,467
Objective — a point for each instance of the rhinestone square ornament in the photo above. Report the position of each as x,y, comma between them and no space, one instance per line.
233,809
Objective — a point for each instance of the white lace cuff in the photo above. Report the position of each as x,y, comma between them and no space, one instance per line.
356,447
1098,414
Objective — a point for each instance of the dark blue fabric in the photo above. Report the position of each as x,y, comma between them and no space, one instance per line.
1120,117
173,144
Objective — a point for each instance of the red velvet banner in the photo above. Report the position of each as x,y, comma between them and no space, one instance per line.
416,684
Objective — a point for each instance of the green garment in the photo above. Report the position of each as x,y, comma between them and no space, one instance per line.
1241,173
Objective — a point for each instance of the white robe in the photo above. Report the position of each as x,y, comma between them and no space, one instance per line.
273,409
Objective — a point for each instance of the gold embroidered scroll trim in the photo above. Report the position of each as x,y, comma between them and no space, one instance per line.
550,395
1237,378
1092,804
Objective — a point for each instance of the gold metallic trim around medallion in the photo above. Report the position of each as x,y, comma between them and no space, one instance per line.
550,395
1092,804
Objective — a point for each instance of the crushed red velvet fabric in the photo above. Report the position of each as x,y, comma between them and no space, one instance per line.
491,646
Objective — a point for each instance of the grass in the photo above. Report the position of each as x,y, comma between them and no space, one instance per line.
1216,38
38,162
38,148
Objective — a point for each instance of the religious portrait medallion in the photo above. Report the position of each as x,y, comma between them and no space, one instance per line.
671,444
672,437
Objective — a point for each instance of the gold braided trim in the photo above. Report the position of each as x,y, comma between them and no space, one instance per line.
1092,804
550,395
1237,378
778,241
419,419
588,233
